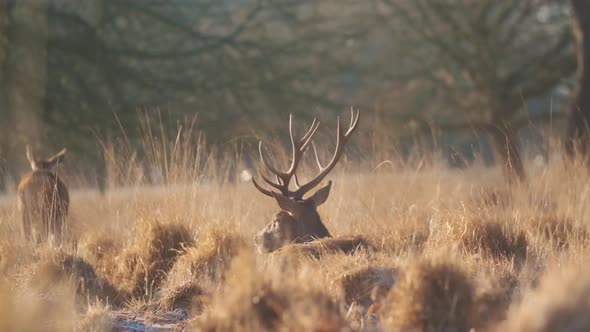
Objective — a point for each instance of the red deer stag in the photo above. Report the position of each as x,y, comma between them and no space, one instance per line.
298,221
43,199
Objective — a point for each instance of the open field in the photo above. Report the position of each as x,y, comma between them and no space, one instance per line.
258,165
452,250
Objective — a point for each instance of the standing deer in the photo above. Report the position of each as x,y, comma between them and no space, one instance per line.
43,199
298,220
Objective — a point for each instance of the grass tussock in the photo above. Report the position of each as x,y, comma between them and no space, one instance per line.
366,285
495,239
253,301
493,297
29,311
189,296
405,238
491,238
430,295
560,303
208,258
97,318
57,267
558,232
144,264
12,255
407,230
100,250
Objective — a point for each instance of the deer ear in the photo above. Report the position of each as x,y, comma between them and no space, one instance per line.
320,196
30,156
57,158
285,203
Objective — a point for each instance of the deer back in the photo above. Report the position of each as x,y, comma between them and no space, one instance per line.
43,193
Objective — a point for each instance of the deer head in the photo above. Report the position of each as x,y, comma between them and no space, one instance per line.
47,164
298,220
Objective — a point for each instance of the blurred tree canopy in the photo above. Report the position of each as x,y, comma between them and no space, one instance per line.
73,70
480,62
577,141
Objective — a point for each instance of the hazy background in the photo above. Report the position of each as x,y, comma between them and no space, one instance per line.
456,76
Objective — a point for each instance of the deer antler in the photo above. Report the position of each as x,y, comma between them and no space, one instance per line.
341,141
299,147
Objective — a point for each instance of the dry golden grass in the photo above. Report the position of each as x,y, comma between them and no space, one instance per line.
143,265
433,249
561,303
208,259
493,239
56,267
253,300
431,295
366,285
97,318
189,295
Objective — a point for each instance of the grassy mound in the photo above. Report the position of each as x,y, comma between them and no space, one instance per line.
430,295
560,303
252,301
57,267
144,264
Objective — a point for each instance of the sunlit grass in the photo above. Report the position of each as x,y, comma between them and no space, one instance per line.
184,246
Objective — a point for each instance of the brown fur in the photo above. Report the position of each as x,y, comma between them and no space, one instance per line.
321,247
298,220
43,199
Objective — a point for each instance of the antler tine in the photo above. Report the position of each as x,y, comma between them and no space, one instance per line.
353,121
294,146
297,185
336,153
312,129
317,158
267,164
276,185
280,184
283,178
300,147
309,135
341,140
262,190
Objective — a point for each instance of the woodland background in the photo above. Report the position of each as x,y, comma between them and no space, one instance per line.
463,78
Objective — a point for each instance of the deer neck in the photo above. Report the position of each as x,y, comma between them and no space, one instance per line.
312,228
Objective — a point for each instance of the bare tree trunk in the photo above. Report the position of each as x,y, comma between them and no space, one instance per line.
4,111
577,141
505,140
26,73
